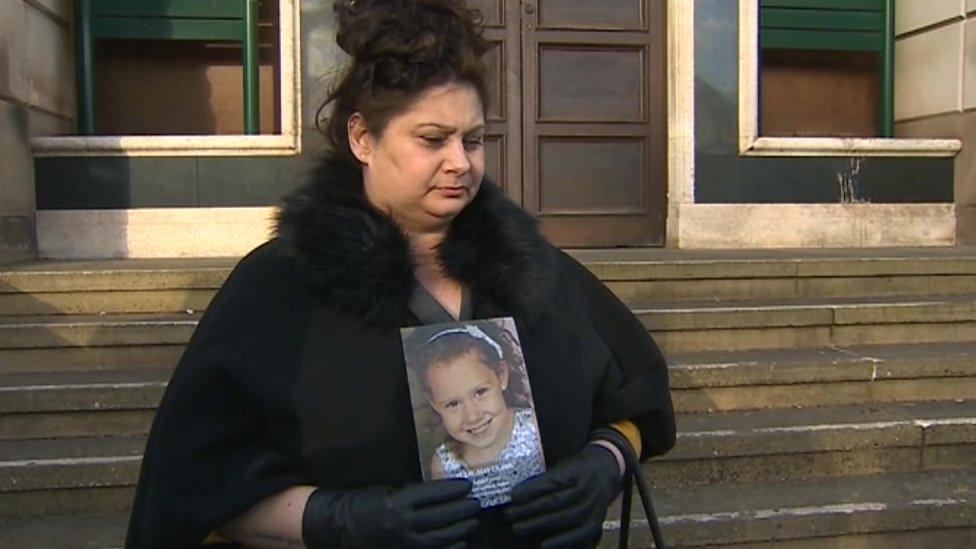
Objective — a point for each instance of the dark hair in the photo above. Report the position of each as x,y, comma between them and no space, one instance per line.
399,49
450,346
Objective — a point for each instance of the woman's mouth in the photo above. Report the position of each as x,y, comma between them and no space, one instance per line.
452,191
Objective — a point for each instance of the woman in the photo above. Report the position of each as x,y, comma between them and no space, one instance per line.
288,420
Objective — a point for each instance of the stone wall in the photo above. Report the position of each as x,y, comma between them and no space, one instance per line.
36,98
935,88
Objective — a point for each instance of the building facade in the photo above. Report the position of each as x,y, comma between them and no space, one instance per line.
643,123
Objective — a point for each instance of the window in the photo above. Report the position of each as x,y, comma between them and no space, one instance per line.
163,87
816,79
826,67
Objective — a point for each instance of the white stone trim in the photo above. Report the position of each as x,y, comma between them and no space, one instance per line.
681,114
168,145
152,232
731,226
751,144
288,142
846,146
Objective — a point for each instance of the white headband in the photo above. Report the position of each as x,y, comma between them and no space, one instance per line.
472,331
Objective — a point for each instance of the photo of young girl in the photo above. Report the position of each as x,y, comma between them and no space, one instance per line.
473,405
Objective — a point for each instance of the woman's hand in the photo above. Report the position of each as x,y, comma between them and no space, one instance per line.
565,506
429,514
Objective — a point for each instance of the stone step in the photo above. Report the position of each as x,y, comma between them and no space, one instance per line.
114,274
107,531
637,276
69,475
111,286
66,359
96,475
664,263
107,302
917,509
16,506
743,447
729,326
67,404
88,531
678,327
833,376
638,293
31,332
640,277
765,445
890,511
118,401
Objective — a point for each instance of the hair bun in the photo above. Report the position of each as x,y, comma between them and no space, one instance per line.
408,31
400,48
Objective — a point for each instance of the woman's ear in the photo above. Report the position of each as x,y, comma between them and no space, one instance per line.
360,139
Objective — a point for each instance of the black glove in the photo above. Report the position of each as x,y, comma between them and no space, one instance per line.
429,514
566,505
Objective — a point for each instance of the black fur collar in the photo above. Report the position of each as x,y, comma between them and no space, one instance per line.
358,260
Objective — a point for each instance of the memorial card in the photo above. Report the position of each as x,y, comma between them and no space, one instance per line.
473,406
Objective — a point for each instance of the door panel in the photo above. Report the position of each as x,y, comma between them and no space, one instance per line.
591,176
592,14
495,61
594,120
496,161
503,136
591,84
577,118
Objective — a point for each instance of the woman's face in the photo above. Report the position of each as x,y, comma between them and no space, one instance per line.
469,397
428,162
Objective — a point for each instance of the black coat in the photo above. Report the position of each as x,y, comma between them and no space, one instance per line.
295,374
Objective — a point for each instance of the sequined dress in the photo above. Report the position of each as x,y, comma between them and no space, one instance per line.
520,459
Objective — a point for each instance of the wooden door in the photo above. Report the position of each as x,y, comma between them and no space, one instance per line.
578,130
503,144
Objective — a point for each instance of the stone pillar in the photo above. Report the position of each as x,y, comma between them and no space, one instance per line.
935,89
36,98
17,240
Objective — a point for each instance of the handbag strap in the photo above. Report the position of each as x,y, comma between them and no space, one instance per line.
644,489
625,505
634,475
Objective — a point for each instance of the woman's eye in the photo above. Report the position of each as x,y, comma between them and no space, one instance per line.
433,141
481,391
450,405
474,143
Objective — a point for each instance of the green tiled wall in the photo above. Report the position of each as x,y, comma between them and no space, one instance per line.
107,183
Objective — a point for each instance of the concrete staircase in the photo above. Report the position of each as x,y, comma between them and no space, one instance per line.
827,399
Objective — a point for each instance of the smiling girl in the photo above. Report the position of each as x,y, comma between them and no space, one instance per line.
477,390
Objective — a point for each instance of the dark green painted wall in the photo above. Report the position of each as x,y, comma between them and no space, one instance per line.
107,183
722,176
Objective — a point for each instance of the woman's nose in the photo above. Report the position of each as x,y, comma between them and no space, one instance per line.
457,158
